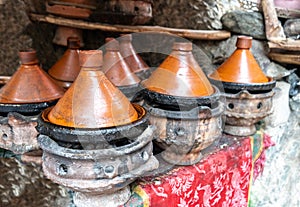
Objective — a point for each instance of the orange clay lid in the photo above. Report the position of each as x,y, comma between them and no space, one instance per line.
136,63
30,83
67,67
115,67
241,66
92,101
180,75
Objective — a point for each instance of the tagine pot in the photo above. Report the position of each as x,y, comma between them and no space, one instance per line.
67,68
184,107
247,90
133,59
118,71
91,136
24,96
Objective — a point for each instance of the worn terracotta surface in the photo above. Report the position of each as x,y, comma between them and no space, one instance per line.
127,50
115,67
71,8
180,75
244,109
67,68
30,83
241,66
129,12
92,101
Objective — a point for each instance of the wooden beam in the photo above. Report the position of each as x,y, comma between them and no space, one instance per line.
187,33
289,45
4,79
274,30
285,58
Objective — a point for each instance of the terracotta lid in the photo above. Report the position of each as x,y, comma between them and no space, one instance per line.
133,59
115,67
92,101
241,66
30,83
180,75
67,67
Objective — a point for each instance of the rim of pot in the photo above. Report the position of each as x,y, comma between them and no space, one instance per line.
75,135
26,108
232,87
195,113
152,97
52,147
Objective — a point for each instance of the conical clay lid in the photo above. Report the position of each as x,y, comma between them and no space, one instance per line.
67,67
136,63
30,83
241,66
115,67
180,75
92,101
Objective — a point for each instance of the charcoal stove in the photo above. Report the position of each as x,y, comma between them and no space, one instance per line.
22,98
247,91
184,107
94,140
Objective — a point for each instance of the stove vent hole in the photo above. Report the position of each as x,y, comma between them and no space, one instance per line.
62,169
259,105
180,131
231,105
4,136
109,169
145,156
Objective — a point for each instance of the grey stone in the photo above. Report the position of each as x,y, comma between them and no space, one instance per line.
196,14
281,109
17,33
246,23
279,184
13,21
292,28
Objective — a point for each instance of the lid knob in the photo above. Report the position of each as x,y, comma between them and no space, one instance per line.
90,58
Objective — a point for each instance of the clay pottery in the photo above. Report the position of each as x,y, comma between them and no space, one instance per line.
114,146
71,8
183,135
62,34
107,172
92,101
67,68
244,109
30,83
241,66
26,94
130,12
248,91
179,75
136,63
117,70
184,107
